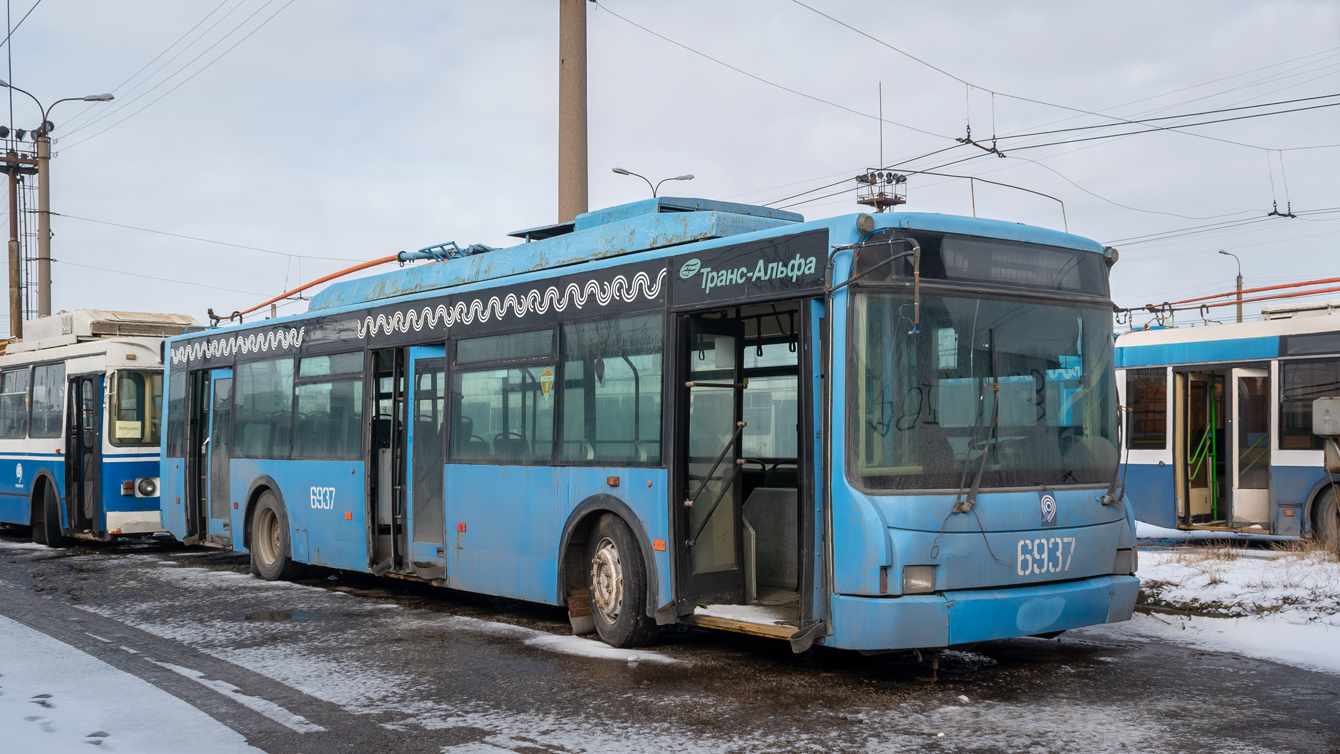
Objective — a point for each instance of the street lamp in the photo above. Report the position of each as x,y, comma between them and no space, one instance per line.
1239,261
42,135
656,187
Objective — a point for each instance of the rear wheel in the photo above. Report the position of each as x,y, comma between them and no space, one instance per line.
270,544
1326,517
52,536
617,581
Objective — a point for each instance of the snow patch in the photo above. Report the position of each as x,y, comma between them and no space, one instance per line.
86,701
295,723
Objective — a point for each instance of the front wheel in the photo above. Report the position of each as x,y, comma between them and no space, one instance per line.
617,582
1326,517
270,544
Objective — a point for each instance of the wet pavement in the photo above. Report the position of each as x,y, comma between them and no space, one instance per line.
344,662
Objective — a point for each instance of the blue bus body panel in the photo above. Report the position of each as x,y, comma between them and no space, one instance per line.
964,617
115,472
1149,488
514,517
21,470
171,487
334,536
1198,352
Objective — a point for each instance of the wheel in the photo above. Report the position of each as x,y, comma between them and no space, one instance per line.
52,536
1326,517
270,544
617,582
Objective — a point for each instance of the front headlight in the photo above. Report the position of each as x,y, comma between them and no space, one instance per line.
918,579
146,486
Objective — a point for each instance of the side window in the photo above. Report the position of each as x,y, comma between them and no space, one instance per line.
1302,382
1147,396
329,398
14,403
504,413
612,390
263,409
48,400
176,415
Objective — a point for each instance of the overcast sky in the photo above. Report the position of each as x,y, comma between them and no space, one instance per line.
352,130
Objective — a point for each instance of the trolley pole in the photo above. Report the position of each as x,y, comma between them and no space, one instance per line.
572,159
43,224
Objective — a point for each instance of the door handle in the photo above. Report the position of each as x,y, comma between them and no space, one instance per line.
204,446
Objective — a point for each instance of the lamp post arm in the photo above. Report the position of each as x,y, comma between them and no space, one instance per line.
38,102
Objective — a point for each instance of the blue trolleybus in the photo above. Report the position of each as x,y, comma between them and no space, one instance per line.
1219,434
871,432
80,416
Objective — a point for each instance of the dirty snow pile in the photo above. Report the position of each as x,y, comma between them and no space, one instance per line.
1281,605
1298,585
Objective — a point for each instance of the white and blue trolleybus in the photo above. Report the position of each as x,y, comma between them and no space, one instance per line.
1219,434
80,416
872,432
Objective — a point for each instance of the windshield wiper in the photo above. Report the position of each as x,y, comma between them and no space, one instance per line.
971,500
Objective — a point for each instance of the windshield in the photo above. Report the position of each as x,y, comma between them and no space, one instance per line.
136,407
922,404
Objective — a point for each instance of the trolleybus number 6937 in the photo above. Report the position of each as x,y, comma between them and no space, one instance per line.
1045,555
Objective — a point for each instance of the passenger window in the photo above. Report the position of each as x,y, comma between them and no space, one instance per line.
263,418
329,424
48,400
503,415
511,347
612,391
14,404
1147,398
1300,384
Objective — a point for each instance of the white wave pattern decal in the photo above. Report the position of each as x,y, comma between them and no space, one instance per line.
536,301
249,343
620,288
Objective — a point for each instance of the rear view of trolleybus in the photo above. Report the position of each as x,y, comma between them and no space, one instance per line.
81,403
871,432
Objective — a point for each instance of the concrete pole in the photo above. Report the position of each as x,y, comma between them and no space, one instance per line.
572,160
15,261
1239,298
43,226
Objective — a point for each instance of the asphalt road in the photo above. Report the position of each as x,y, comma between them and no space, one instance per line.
345,662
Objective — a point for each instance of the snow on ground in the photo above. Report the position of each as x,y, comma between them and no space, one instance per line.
1281,605
55,698
1151,532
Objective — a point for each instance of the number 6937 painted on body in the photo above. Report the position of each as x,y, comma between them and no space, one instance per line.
1044,555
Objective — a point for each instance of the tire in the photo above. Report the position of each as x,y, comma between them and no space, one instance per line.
271,547
1325,521
617,583
52,536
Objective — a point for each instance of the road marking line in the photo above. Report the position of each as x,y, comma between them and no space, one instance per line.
99,638
128,649
295,723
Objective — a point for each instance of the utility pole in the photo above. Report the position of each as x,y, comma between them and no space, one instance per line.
572,160
15,166
1239,261
43,223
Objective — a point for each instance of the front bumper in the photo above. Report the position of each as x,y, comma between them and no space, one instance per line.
972,615
134,522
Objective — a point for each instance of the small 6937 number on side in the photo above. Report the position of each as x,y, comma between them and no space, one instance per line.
1044,555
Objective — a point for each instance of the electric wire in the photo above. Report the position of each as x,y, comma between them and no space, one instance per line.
204,240
193,75
151,277
20,23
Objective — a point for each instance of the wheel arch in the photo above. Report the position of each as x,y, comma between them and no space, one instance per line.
577,533
1313,496
258,486
37,498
